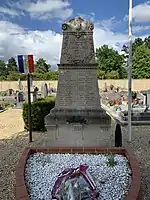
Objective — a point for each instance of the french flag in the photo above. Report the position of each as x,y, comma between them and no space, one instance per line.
26,63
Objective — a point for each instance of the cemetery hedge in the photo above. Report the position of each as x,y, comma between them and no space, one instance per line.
39,109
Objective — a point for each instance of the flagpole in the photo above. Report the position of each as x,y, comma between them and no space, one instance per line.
29,108
130,74
26,65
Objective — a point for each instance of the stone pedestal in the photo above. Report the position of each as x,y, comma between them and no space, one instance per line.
77,96
79,135
89,116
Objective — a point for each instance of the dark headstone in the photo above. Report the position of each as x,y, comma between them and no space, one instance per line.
118,136
35,93
20,97
148,98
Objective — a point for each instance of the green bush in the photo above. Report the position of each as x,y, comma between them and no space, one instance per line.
3,93
100,74
52,75
39,109
4,104
112,75
14,76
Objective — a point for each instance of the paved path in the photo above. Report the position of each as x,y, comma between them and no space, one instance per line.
11,122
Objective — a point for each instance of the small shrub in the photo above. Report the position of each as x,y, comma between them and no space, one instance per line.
5,104
112,75
3,93
39,109
100,74
111,160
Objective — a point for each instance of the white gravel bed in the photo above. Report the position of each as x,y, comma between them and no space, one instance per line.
42,171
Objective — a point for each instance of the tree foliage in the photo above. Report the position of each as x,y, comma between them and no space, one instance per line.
113,75
14,76
137,43
101,74
141,58
3,70
41,66
12,65
110,62
10,71
141,62
147,42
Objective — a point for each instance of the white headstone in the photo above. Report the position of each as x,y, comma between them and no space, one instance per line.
44,90
148,98
20,86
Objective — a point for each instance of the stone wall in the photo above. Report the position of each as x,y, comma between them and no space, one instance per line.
137,84
5,85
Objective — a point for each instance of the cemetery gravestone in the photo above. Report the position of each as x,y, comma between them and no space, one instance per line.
35,93
10,92
77,91
44,90
148,98
20,86
20,97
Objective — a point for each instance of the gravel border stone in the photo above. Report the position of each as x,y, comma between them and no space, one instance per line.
42,171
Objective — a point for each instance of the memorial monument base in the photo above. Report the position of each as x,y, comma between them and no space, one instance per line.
79,135
78,128
81,115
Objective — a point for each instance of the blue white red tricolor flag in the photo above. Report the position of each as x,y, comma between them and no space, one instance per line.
25,63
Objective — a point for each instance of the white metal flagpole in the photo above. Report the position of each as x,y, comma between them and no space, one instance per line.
130,73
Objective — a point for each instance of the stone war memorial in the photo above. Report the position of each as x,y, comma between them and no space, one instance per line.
78,118
78,160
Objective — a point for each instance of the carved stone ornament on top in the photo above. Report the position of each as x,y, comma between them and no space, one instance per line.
79,28
78,25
